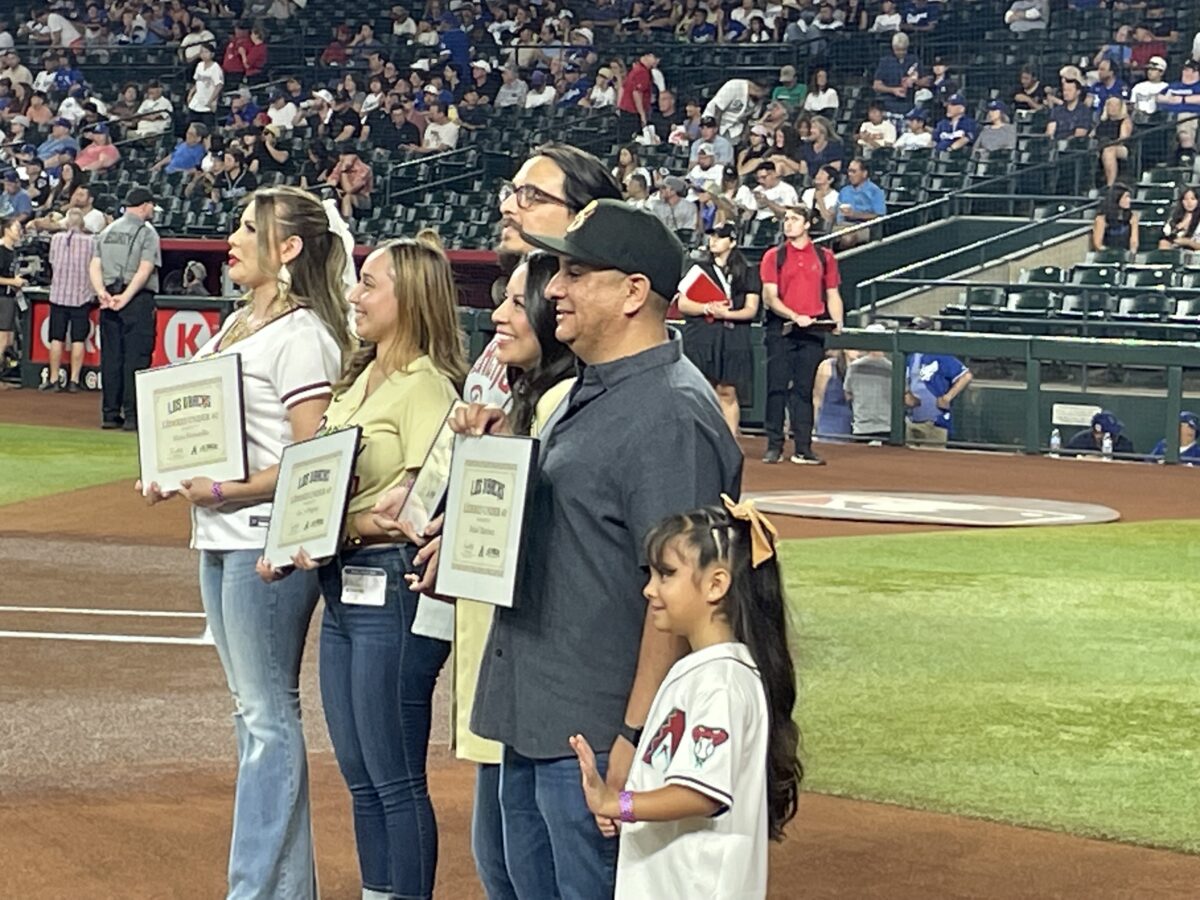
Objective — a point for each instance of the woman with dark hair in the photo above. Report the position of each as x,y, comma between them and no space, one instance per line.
758,149
541,371
822,98
716,336
69,178
1179,232
290,254
630,163
1116,224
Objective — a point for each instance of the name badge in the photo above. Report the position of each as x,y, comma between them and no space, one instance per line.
362,586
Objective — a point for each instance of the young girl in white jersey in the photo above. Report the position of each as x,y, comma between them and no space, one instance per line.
716,774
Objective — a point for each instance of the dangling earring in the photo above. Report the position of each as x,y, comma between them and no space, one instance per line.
284,279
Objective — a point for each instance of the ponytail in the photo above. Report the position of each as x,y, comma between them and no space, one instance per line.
757,614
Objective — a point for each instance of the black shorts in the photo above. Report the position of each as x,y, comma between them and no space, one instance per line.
74,316
8,313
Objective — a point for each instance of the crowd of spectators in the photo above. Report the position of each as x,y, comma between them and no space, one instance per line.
755,146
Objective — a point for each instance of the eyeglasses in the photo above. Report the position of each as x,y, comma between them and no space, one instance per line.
528,196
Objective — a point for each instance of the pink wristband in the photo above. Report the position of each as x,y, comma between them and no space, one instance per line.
217,492
625,801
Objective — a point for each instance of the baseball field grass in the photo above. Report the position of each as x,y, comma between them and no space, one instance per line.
35,461
1047,677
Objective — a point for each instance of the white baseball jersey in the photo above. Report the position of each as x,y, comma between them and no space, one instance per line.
707,731
287,361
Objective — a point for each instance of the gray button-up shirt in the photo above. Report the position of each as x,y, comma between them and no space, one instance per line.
640,438
123,245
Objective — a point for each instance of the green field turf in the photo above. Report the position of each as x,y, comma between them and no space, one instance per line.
1045,676
37,461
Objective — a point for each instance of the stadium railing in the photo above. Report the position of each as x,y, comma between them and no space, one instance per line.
1036,351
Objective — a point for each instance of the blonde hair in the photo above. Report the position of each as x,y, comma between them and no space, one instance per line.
315,281
427,303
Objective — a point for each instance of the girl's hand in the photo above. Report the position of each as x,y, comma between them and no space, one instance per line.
602,800
154,495
269,573
199,492
390,503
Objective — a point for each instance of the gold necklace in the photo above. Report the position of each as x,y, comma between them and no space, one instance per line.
244,326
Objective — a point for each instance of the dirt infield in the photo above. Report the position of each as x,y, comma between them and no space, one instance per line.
116,760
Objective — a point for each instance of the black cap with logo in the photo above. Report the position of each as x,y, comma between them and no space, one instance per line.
611,234
138,196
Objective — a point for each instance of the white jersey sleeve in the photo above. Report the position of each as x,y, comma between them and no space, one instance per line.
712,743
298,373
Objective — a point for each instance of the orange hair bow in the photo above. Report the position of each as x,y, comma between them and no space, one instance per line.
762,532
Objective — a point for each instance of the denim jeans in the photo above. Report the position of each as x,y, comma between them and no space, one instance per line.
551,841
487,835
259,630
377,681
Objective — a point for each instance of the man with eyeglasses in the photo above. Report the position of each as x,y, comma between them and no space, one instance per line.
513,852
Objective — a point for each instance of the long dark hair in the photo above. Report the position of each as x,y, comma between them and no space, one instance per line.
754,607
556,362
1110,206
1179,212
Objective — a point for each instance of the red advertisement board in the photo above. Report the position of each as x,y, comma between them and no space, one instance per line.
181,332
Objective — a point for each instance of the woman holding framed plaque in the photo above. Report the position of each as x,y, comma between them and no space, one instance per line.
290,253
377,677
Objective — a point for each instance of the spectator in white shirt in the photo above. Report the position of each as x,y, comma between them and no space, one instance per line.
207,81
189,47
154,113
773,196
876,131
1144,94
887,20
440,134
822,199
540,93
63,32
46,79
917,136
733,105
403,25
14,71
282,111
707,168
603,94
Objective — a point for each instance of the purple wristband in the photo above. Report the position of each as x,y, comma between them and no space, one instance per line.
625,801
217,492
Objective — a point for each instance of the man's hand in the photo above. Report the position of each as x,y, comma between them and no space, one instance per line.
910,400
20,281
802,320
943,401
118,301
105,299
602,800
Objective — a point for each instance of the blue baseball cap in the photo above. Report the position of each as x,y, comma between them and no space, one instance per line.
917,113
11,175
956,99
61,123
1190,418
1106,422
998,104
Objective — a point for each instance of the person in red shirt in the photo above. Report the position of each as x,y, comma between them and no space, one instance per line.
233,60
254,56
1145,45
637,92
800,291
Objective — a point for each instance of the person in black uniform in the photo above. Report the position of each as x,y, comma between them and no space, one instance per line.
716,336
1091,440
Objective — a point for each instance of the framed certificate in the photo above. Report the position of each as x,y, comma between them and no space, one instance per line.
311,495
192,419
490,481
429,487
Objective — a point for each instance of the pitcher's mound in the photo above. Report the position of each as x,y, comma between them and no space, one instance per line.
931,509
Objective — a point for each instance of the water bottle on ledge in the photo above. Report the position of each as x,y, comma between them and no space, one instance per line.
1106,446
1055,442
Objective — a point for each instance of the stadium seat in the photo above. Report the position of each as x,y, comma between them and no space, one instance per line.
1037,302
1161,258
1187,310
1041,275
1145,306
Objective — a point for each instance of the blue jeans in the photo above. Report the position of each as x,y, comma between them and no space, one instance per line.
552,844
259,630
487,835
377,681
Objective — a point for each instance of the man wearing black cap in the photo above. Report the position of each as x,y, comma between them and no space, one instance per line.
709,136
640,437
124,275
